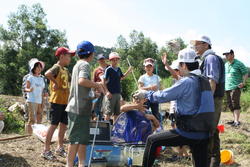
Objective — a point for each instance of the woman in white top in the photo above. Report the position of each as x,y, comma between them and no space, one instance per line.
150,82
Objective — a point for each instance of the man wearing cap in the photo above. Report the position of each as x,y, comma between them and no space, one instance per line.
134,124
212,67
58,75
98,77
236,76
187,92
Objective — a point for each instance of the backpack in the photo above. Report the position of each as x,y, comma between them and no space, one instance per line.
220,86
203,119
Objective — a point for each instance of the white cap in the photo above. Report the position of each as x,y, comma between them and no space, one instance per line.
202,39
139,94
149,61
187,55
175,65
33,61
113,55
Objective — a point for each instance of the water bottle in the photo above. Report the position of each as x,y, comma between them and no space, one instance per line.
130,162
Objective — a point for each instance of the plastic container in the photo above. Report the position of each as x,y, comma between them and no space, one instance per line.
227,157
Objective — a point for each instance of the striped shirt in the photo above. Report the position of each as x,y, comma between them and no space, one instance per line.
234,73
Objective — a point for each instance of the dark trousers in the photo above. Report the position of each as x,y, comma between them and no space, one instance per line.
199,148
155,109
214,142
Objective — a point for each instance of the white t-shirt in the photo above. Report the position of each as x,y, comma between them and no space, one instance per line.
150,80
38,84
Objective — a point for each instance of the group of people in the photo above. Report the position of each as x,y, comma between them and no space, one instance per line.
191,95
71,98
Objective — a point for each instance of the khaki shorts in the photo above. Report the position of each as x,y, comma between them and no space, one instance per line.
111,106
32,112
233,99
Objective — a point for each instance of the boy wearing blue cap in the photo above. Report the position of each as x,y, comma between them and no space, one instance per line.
80,104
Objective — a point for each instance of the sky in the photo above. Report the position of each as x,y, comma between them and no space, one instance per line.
226,22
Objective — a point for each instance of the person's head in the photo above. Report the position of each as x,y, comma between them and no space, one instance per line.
187,61
64,55
175,66
36,66
139,96
85,50
201,44
229,55
149,65
101,59
114,58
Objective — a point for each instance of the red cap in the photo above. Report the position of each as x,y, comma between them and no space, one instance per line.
63,50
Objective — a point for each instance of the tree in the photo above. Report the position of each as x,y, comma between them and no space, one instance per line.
27,36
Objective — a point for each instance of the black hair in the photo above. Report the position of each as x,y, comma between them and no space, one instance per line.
209,46
35,66
85,56
191,66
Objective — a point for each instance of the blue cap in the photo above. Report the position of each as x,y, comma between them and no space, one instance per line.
100,56
84,48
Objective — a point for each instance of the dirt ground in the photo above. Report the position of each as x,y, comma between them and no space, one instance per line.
25,152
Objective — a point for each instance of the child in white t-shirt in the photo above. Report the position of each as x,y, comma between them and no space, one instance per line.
150,82
34,88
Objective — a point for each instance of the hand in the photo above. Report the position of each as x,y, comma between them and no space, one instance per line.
31,89
1,116
55,86
130,69
109,95
141,107
164,58
154,87
99,87
241,85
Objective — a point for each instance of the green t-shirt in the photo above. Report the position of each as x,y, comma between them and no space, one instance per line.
234,74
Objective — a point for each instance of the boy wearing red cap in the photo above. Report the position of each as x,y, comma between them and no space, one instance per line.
59,91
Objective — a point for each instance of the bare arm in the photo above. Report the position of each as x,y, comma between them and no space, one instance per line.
51,77
244,79
153,87
153,119
1,116
212,85
28,88
167,66
127,72
128,107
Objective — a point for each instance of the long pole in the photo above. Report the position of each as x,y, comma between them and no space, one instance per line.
93,143
133,73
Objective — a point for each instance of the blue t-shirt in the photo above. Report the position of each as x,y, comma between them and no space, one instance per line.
187,94
113,77
38,84
212,66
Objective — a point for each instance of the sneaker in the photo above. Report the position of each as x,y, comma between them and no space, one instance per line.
48,155
61,152
230,122
236,124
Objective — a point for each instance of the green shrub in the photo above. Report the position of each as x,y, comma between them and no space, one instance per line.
13,121
166,82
